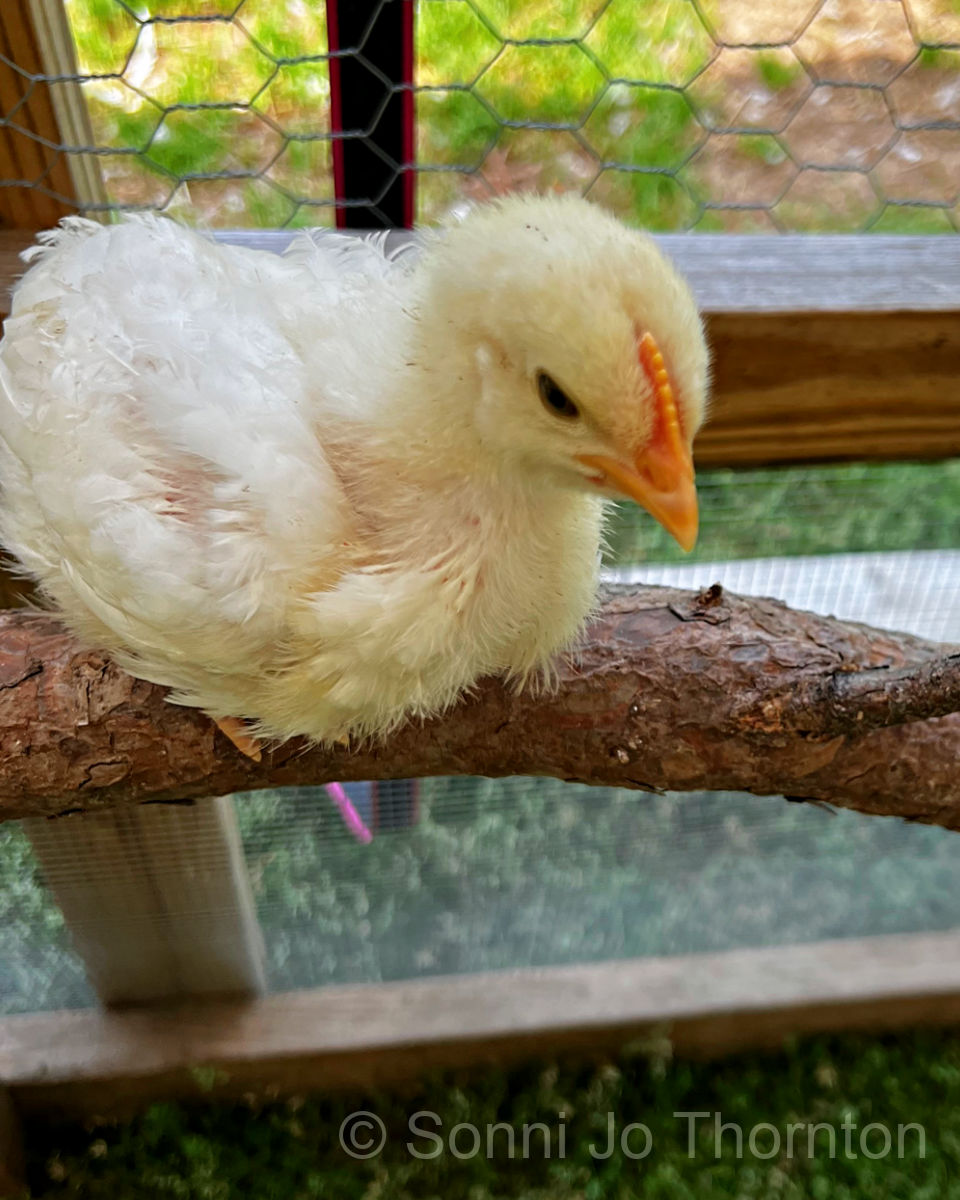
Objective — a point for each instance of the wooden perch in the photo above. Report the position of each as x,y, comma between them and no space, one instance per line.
672,690
839,704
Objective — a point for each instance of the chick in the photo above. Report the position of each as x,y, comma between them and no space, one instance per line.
327,491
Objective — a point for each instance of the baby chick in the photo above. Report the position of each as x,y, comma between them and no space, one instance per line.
327,491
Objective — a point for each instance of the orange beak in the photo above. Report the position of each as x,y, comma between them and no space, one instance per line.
660,478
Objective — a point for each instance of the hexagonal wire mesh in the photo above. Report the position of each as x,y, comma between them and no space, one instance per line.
734,115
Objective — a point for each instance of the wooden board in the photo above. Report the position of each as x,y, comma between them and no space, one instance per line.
29,139
781,273
157,899
12,243
785,274
360,1037
811,387
825,273
825,348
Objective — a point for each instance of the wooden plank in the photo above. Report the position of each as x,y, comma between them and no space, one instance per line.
828,371
811,387
12,1182
157,899
826,273
77,1063
12,244
782,273
768,275
30,138
739,274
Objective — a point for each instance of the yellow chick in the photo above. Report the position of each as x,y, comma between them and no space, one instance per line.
327,491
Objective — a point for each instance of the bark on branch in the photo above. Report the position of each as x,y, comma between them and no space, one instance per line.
672,690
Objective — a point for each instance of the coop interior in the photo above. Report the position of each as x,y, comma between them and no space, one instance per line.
801,163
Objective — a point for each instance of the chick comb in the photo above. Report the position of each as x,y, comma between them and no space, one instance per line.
669,434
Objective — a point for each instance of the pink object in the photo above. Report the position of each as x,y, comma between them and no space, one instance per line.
351,818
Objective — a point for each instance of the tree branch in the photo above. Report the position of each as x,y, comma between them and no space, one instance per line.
840,704
671,690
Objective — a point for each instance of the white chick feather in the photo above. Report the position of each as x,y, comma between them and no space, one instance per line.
329,490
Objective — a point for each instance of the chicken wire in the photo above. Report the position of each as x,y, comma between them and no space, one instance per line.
677,114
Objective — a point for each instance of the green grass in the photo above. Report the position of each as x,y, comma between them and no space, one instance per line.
912,219
290,1151
777,73
806,510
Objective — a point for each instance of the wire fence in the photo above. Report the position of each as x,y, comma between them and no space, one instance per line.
715,115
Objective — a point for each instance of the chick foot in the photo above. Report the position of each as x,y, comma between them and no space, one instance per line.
236,730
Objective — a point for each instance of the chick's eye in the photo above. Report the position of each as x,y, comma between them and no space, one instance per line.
554,398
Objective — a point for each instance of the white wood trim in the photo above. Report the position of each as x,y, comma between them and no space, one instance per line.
776,273
157,899
55,41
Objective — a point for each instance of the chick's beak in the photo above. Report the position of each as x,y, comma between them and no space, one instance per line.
660,483
660,476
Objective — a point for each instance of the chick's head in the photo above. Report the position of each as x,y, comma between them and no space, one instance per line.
589,366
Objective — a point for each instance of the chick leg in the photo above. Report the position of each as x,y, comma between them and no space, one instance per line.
236,730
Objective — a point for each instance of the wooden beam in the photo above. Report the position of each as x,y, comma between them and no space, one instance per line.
818,273
157,899
779,273
825,348
30,136
816,387
12,244
738,274
78,1063
12,1182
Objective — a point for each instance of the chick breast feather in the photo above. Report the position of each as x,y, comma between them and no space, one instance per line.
328,490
